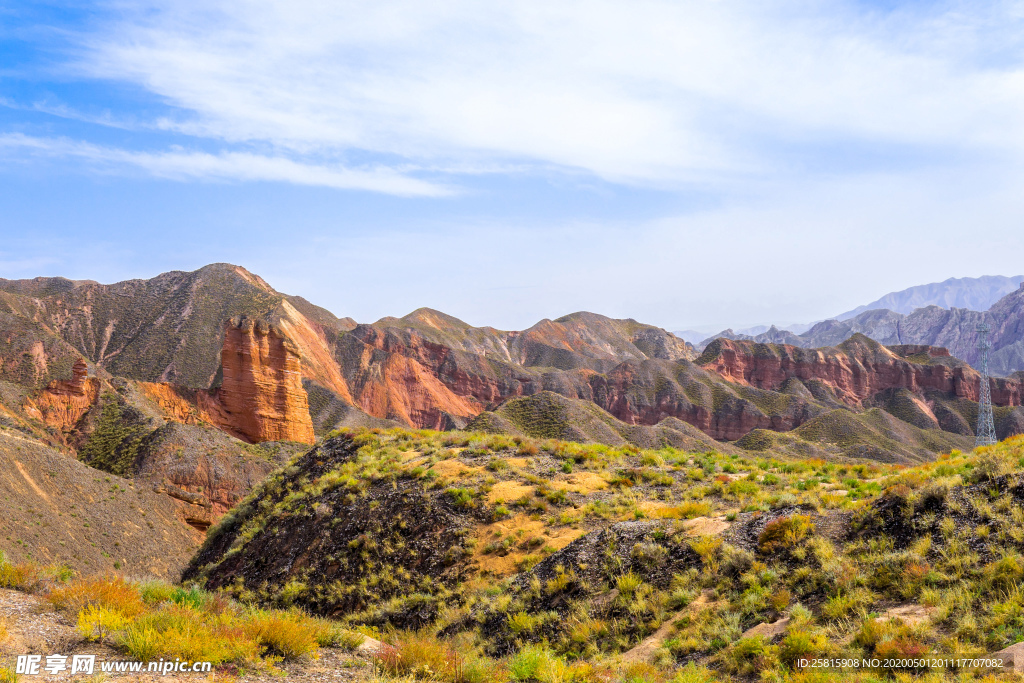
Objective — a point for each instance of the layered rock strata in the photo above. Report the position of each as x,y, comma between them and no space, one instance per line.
262,392
856,370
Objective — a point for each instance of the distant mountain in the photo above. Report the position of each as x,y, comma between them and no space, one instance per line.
552,416
973,293
954,329
691,336
430,369
700,338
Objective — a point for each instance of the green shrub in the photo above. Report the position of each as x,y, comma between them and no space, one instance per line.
537,663
747,656
1006,571
193,598
141,644
114,444
462,498
155,592
801,644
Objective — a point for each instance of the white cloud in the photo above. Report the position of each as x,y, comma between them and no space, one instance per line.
651,91
803,253
241,166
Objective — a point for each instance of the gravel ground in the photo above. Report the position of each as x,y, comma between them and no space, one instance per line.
34,628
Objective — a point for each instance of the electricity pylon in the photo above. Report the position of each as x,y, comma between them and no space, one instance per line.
986,430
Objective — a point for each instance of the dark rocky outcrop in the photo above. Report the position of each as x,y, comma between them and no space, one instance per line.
306,537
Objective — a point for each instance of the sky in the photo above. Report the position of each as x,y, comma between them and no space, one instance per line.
687,163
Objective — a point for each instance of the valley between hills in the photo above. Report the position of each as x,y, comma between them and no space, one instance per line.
199,466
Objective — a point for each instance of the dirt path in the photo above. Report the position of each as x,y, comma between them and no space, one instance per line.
34,628
644,652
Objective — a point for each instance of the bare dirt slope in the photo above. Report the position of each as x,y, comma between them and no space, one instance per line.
56,509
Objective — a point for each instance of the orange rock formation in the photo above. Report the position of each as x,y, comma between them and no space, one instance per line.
187,406
63,402
262,390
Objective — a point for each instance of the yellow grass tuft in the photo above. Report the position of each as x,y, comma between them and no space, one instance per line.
112,593
99,623
289,635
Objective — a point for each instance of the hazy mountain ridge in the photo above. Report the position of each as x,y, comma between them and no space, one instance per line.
896,318
973,293
954,329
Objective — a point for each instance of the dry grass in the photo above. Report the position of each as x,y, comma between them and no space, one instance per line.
586,482
289,635
523,535
180,632
110,593
22,577
453,469
687,510
156,620
509,491
422,655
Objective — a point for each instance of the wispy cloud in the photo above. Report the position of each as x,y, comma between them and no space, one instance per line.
653,91
224,166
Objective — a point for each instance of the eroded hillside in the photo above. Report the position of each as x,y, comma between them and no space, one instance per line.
596,560
288,370
58,510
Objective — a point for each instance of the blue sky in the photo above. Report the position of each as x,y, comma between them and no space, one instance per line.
685,163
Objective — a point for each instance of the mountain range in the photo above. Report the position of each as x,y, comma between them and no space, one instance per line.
193,386
973,293
953,328
421,473
220,348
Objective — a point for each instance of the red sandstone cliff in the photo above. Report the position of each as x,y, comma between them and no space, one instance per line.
404,375
261,397
856,369
416,375
262,392
187,406
647,393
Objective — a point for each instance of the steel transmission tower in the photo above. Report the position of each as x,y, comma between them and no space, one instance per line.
986,430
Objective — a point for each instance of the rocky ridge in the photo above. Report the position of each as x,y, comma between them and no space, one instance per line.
292,370
950,328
